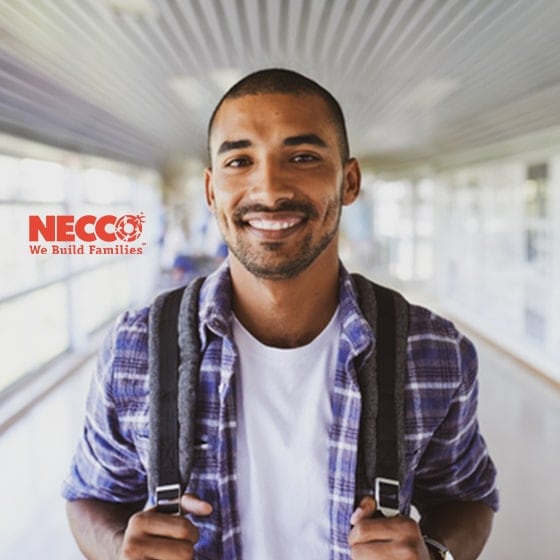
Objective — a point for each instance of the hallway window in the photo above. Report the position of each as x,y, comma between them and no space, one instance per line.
536,191
34,329
51,301
537,230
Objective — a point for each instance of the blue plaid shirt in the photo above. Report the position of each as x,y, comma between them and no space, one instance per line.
445,455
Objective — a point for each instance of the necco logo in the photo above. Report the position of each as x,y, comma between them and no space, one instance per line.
89,229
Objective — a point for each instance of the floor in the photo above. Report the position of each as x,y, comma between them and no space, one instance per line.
35,453
520,417
519,414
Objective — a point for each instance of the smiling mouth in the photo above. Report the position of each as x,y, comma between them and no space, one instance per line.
275,224
274,227
268,224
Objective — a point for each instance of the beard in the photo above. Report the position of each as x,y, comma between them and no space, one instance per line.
271,260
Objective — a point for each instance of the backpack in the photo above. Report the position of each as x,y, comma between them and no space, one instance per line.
380,463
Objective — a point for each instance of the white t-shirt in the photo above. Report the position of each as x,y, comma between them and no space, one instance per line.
284,416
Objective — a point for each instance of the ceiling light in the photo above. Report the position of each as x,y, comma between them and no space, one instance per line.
191,92
429,93
386,137
224,78
145,8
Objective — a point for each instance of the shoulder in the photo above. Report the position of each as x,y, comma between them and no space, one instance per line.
437,348
424,322
123,361
129,334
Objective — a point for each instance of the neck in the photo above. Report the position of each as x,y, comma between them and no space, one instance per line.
285,313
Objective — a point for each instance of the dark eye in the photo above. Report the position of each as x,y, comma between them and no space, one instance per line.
238,162
304,158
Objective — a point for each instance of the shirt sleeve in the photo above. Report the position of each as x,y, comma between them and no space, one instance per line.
456,464
107,465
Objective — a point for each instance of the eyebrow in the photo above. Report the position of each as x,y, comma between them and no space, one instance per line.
229,145
305,139
313,139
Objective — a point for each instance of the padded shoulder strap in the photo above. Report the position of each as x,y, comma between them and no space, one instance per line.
174,360
381,379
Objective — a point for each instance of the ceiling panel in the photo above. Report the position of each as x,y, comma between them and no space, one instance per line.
418,79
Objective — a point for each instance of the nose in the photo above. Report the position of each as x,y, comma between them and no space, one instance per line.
270,184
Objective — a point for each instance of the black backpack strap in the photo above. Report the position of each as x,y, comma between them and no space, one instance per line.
174,360
381,436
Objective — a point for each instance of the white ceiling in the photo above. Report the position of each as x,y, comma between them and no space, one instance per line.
416,78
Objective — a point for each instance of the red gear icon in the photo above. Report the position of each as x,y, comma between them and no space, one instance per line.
129,227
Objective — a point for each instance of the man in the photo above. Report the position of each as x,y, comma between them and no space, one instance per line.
278,406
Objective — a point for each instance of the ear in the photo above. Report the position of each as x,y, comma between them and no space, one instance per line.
209,189
352,181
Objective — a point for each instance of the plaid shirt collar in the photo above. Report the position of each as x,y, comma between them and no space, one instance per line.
215,311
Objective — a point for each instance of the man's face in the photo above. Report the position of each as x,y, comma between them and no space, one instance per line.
277,183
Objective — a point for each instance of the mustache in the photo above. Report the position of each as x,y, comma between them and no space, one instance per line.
300,206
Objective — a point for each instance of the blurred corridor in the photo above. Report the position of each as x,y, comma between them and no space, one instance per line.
453,111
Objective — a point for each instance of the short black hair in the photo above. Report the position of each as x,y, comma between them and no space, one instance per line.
280,80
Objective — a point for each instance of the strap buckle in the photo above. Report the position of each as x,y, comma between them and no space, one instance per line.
387,491
168,498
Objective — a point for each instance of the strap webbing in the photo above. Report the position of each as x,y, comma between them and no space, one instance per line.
387,463
168,453
173,361
381,381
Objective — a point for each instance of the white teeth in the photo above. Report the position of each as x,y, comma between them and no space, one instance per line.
272,224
